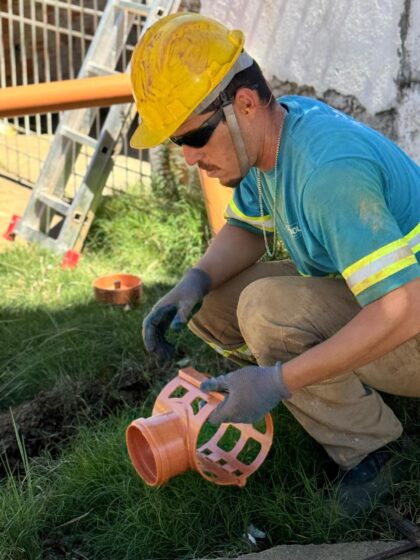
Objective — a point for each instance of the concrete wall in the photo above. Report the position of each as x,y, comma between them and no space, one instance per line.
361,56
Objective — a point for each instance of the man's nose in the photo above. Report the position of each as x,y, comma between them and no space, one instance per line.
191,155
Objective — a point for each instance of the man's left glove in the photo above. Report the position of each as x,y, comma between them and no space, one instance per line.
251,393
173,311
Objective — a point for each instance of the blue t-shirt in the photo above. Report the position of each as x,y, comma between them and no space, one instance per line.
347,201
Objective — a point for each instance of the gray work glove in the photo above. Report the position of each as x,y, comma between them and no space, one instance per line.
251,393
173,311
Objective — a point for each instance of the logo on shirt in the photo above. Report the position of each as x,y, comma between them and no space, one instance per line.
293,230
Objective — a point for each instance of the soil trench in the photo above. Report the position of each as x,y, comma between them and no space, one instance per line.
52,417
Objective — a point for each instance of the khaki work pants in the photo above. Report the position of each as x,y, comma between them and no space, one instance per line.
269,313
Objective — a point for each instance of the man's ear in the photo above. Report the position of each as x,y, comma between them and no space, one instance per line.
245,100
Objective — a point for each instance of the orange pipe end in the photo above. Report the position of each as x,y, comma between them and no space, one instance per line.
97,91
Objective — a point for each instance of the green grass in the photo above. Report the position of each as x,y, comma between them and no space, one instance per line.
50,325
88,502
91,502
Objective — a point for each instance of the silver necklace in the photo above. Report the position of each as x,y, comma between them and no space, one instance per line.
260,198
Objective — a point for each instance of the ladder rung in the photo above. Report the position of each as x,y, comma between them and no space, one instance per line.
134,7
78,137
34,236
99,70
54,202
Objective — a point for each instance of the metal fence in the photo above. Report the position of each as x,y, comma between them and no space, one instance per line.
43,41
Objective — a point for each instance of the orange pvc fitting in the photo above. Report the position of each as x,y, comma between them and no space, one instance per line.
166,444
97,91
118,289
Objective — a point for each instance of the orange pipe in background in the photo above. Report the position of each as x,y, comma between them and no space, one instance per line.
216,198
97,91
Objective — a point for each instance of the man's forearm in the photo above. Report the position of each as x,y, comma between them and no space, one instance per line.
233,249
379,328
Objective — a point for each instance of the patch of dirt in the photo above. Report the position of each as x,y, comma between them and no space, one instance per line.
52,417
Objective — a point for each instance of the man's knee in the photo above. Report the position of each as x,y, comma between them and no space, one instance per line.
281,317
280,301
262,315
253,299
319,305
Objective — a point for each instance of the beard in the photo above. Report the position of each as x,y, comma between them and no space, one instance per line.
232,183
235,181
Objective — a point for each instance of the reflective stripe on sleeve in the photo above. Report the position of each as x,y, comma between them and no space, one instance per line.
379,265
413,239
260,222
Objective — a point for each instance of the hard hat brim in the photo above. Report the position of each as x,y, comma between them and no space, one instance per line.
144,138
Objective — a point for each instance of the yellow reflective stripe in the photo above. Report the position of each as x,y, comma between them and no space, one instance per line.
413,239
376,255
384,273
244,350
412,233
232,211
241,351
219,349
379,265
416,248
375,267
239,213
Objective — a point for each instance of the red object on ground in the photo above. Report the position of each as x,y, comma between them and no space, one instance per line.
70,259
9,234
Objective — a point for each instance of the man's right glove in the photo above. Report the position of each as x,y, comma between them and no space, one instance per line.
251,392
174,310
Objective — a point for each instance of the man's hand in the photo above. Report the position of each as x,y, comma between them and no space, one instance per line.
173,311
251,393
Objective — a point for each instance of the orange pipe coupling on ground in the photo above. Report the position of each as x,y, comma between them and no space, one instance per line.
97,91
174,440
118,289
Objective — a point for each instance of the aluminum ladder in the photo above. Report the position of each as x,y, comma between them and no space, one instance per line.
52,219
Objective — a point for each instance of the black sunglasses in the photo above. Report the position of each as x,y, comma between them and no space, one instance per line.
199,137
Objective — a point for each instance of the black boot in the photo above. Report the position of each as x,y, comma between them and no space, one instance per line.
370,480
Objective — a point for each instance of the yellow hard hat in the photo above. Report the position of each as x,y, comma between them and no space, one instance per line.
176,65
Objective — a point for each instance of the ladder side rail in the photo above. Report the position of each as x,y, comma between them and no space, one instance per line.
108,43
159,10
97,173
